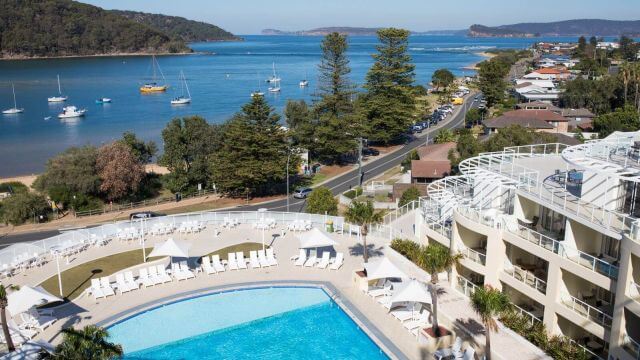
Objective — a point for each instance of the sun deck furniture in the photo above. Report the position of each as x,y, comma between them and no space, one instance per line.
32,319
233,264
153,275
324,261
207,267
337,263
263,259
311,261
253,256
301,259
162,274
96,290
123,287
105,286
421,321
128,277
271,258
242,263
376,292
215,260
19,335
143,278
407,313
184,268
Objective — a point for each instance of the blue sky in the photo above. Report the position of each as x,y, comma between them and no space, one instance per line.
251,16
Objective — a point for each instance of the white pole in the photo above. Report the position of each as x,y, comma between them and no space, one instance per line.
263,238
59,275
144,251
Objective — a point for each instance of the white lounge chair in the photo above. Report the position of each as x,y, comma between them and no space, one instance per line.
162,274
19,335
384,291
253,257
215,260
324,261
128,277
337,263
271,258
421,321
96,289
153,275
301,259
242,263
143,277
123,287
32,319
407,313
231,261
184,268
311,261
456,349
263,259
206,266
105,285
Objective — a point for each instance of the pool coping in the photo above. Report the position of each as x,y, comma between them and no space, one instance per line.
363,323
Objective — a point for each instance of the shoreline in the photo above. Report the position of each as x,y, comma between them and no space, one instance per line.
23,58
485,55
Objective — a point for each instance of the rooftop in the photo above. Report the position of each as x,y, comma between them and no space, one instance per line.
436,151
538,105
430,169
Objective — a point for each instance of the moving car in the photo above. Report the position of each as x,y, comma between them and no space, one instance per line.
302,193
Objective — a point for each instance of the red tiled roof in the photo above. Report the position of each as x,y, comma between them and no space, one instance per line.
430,169
436,151
545,115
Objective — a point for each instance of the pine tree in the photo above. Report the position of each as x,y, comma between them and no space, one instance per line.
334,133
390,102
252,155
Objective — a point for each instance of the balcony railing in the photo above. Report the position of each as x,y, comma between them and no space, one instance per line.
527,278
634,291
465,286
558,247
631,346
486,217
442,229
585,350
532,318
590,312
474,255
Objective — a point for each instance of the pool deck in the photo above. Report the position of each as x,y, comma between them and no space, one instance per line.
387,332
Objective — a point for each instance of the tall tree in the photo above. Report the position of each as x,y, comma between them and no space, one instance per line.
491,80
321,201
390,100
3,317
188,145
622,119
144,151
120,171
90,343
434,259
582,46
253,152
301,127
335,134
442,78
364,215
628,48
489,303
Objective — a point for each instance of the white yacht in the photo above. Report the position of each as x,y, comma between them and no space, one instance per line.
59,97
258,92
14,109
275,81
71,112
274,78
182,99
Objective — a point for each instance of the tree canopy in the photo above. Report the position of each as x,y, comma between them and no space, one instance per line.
442,78
409,195
322,201
143,151
622,119
74,169
491,80
120,171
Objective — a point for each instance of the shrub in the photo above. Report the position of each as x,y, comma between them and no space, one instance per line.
354,193
321,201
21,207
409,195
407,248
13,187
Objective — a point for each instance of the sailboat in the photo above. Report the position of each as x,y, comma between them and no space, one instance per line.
259,91
59,97
154,86
304,82
275,80
182,100
15,109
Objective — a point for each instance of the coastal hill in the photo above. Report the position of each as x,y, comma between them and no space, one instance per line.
179,27
586,27
353,31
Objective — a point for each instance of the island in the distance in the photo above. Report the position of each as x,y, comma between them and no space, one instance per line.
581,27
353,31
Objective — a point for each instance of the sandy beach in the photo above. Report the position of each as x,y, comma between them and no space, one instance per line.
485,55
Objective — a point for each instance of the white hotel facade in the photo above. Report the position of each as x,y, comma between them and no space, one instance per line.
556,228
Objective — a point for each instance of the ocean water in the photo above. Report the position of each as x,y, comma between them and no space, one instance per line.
276,323
221,78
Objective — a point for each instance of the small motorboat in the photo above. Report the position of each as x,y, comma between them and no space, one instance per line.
304,83
103,100
71,112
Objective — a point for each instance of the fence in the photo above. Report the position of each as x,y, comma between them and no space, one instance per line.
588,311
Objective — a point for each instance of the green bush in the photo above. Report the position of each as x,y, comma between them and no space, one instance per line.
354,193
321,201
409,195
406,248
13,187
21,207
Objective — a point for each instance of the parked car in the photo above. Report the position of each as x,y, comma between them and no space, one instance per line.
302,193
370,152
144,215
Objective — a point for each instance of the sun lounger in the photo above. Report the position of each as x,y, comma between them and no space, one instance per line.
384,291
96,289
206,266
215,259
311,261
19,335
263,259
162,274
128,277
31,319
271,259
106,286
324,261
421,321
153,275
337,263
242,263
184,268
123,287
233,264
407,313
143,277
301,259
253,257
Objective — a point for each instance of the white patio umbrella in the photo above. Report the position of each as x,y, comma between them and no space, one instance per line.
414,291
315,238
171,248
27,297
383,269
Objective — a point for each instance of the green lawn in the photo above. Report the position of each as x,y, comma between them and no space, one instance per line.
318,178
244,247
78,278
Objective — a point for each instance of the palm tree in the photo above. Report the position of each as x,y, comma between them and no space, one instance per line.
489,303
4,302
444,136
90,343
435,259
363,214
626,72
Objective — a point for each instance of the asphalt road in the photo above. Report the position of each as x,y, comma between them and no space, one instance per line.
337,185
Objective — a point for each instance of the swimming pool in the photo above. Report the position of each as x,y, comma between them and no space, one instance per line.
261,323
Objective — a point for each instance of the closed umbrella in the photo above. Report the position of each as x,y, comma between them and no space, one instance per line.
27,297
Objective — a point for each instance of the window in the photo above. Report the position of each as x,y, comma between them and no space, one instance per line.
610,247
552,221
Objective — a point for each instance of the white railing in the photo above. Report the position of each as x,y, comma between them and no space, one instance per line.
532,318
399,212
631,346
585,350
486,217
634,291
474,255
590,312
466,287
557,247
526,277
441,229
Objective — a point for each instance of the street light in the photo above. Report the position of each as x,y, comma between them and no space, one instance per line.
288,158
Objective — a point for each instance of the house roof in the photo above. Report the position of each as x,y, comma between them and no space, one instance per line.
545,115
582,113
551,71
506,121
436,151
538,105
430,169
566,139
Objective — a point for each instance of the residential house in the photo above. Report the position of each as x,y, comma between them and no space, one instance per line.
434,163
527,91
538,105
579,118
539,120
553,74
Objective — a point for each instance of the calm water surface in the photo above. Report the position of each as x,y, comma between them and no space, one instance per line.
220,84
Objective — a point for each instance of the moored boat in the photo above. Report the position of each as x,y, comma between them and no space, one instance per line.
182,99
103,100
71,112
59,97
153,86
14,109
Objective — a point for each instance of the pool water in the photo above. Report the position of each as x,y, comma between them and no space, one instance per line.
267,323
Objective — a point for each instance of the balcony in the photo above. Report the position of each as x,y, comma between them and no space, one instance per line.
487,217
588,261
465,286
631,346
527,277
534,315
634,291
600,315
474,255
